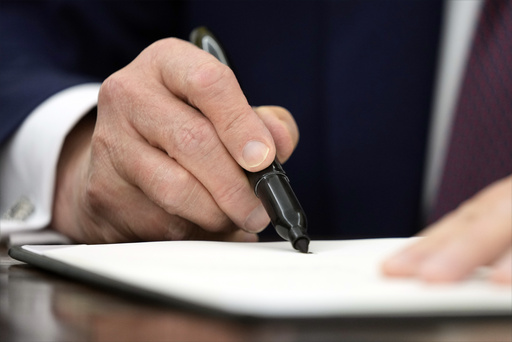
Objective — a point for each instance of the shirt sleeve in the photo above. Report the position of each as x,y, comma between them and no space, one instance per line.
28,161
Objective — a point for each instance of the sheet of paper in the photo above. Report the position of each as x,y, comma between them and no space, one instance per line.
339,278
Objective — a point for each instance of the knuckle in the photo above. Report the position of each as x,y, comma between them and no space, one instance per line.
105,150
195,136
182,198
235,124
113,86
177,192
208,77
178,230
164,43
118,87
230,194
281,113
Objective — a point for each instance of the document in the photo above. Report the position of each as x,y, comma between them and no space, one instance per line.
270,279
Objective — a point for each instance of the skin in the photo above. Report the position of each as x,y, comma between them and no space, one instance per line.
478,232
172,134
170,137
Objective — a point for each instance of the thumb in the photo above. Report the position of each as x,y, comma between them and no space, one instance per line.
283,128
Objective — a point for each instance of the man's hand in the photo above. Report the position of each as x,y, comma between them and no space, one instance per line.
477,233
164,158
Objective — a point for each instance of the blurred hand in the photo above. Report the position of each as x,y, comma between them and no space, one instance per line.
477,233
164,157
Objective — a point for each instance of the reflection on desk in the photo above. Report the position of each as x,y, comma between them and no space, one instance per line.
39,306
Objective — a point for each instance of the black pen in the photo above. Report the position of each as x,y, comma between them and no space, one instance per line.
271,184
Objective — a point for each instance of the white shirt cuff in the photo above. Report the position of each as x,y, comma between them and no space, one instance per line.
28,161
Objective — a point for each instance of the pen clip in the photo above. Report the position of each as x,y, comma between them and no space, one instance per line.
204,39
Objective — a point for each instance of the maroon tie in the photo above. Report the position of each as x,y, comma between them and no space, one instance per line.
480,149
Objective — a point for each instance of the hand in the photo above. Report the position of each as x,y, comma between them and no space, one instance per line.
477,233
164,158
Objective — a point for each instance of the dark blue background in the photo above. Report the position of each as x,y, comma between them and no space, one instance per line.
357,75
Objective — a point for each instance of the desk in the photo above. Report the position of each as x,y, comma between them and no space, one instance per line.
39,306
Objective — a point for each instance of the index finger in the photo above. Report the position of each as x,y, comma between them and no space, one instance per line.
205,83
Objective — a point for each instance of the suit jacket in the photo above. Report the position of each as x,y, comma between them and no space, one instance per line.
357,76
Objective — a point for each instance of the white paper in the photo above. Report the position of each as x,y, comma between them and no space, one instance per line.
339,278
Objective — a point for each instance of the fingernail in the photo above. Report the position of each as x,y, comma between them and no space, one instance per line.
257,220
254,153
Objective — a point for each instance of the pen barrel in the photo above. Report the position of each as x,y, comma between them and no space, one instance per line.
272,187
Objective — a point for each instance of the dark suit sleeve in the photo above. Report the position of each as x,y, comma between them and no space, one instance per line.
48,46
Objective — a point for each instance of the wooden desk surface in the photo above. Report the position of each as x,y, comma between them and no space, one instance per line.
39,306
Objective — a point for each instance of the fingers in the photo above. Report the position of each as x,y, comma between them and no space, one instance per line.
209,136
137,218
210,86
198,160
122,212
237,235
502,270
167,184
157,224
175,124
283,128
476,234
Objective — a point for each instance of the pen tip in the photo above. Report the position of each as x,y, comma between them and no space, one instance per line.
302,245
